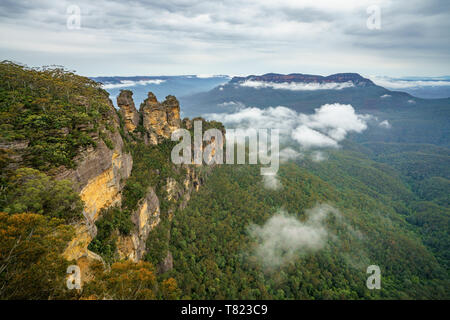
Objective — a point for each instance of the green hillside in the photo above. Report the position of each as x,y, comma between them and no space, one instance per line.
381,222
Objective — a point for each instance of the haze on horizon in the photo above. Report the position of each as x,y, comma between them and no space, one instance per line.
229,37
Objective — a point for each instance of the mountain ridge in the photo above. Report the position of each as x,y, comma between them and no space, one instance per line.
355,78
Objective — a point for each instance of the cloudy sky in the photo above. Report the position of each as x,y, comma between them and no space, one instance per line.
170,37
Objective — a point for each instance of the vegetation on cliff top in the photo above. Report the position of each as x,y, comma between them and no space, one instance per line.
54,110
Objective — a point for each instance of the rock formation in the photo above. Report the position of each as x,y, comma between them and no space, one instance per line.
102,171
145,218
128,110
160,119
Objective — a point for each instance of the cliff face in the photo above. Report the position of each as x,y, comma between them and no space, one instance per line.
145,218
99,177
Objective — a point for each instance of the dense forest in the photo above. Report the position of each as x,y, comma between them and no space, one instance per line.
381,221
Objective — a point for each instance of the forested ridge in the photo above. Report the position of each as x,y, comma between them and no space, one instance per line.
380,225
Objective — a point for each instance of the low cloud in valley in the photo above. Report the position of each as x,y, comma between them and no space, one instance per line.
284,238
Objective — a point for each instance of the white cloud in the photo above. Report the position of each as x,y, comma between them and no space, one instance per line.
129,83
385,124
309,138
271,182
336,120
233,105
207,76
318,156
287,154
326,127
279,117
393,83
296,86
284,238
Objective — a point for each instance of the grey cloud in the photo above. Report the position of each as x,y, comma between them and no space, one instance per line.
213,35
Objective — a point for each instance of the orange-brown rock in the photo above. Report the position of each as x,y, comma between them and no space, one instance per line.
145,218
172,107
99,176
128,110
160,119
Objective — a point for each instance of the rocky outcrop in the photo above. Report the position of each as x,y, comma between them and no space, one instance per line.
11,154
127,110
173,190
172,107
99,176
160,119
145,218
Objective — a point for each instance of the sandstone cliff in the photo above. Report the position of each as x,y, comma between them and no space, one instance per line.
144,218
127,110
160,119
99,176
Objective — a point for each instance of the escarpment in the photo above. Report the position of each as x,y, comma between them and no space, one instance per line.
144,186
99,177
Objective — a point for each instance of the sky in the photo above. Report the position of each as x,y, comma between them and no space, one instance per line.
174,37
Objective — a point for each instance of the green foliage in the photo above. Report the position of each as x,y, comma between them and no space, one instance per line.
158,242
213,249
30,190
151,167
433,223
107,141
31,265
436,189
110,220
424,169
56,111
124,281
